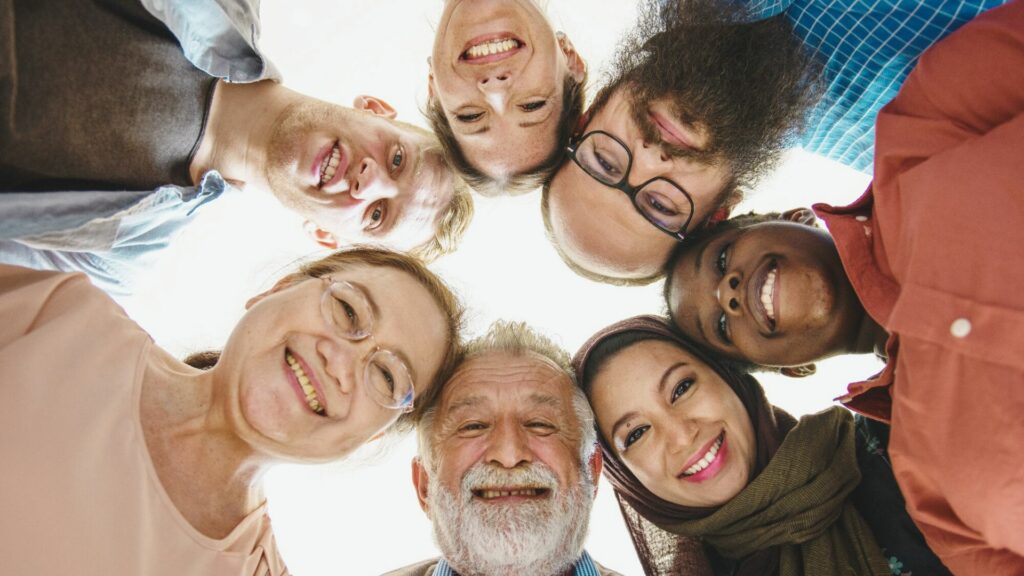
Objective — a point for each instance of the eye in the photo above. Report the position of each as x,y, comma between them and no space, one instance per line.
389,379
654,203
607,166
541,426
635,434
397,159
535,105
375,215
722,327
723,259
467,118
471,428
349,311
681,388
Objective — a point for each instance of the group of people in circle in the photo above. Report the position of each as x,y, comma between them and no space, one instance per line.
123,118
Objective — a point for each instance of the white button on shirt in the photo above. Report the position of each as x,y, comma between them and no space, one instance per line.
960,327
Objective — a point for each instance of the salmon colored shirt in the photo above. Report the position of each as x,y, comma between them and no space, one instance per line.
79,494
935,252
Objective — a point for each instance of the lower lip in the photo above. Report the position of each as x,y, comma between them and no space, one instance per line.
669,133
714,468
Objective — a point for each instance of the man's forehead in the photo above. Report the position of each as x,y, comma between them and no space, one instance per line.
491,375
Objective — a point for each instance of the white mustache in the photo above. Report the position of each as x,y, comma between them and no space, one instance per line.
535,475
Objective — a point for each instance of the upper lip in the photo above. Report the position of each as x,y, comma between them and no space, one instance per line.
754,286
699,454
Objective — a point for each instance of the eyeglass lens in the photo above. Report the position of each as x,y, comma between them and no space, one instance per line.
348,310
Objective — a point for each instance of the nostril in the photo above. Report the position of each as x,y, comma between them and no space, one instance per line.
733,304
733,283
503,77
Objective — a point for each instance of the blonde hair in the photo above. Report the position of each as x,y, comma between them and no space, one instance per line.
455,219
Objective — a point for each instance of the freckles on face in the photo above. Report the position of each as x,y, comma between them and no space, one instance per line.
677,426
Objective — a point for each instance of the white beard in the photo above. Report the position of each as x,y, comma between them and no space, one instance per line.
541,538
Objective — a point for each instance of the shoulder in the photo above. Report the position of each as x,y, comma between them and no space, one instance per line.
425,568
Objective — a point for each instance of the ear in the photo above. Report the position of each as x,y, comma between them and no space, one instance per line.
577,66
319,235
420,479
800,216
799,371
596,463
374,105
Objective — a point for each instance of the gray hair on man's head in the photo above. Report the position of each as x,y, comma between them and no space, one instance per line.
518,339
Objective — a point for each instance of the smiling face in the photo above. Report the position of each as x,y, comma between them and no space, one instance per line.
358,176
498,71
597,226
677,426
293,389
506,488
773,294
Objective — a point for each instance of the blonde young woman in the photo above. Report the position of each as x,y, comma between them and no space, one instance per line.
121,459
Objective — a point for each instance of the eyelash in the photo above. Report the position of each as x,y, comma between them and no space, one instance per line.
469,117
682,387
722,325
532,106
633,436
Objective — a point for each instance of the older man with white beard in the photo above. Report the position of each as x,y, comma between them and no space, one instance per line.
507,464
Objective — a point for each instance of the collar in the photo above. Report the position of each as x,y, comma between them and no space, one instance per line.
585,566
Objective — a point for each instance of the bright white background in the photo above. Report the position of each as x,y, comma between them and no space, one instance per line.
361,517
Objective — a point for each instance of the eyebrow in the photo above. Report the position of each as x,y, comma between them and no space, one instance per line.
480,131
539,399
534,123
467,402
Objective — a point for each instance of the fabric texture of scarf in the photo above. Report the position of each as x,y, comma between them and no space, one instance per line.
795,520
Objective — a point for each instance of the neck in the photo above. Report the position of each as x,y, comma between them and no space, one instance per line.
211,476
238,130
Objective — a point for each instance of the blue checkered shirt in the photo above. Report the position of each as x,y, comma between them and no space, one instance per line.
585,566
868,47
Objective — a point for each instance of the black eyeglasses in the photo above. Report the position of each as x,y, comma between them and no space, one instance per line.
661,201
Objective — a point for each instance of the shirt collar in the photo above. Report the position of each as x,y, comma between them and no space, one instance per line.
585,566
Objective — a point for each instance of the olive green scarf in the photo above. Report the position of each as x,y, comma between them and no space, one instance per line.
799,504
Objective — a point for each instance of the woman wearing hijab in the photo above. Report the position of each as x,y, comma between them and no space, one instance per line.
122,460
712,479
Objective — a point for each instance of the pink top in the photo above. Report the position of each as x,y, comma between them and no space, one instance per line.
79,494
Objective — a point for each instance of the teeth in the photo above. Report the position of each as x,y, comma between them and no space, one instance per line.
307,387
330,166
768,293
488,494
492,47
704,462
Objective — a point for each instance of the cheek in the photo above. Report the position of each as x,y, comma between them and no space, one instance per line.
268,409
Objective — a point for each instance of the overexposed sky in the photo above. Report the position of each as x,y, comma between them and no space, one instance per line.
361,517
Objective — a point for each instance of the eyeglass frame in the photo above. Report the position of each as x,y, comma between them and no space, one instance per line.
624,186
409,401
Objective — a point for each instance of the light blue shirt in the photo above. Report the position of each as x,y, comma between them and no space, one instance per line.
585,566
114,236
868,47
63,233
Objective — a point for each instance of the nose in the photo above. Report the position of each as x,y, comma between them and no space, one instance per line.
682,435
729,294
508,446
345,360
649,161
371,182
494,87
